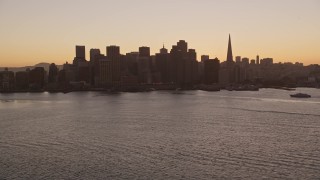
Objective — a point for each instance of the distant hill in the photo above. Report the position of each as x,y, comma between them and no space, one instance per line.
42,64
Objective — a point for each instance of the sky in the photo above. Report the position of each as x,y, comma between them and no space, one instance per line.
33,31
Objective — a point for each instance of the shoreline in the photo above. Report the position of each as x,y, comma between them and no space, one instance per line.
150,90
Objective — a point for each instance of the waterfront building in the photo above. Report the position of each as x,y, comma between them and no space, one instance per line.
113,54
37,78
6,80
211,71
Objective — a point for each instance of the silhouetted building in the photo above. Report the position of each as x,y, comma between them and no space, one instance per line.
204,57
184,65
106,72
257,60
94,64
81,52
62,80
22,80
245,61
37,78
145,65
6,80
266,61
211,71
183,46
144,51
162,63
80,55
163,50
94,54
83,72
227,73
229,55
53,73
238,59
113,54
70,72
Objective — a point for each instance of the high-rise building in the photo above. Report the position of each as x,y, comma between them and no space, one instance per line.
229,55
81,52
94,53
22,80
183,46
163,50
245,60
113,54
266,61
211,71
6,80
163,65
238,59
113,51
37,78
192,54
258,60
106,72
144,65
204,57
53,73
144,51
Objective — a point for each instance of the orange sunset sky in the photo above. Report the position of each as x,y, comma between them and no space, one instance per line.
36,31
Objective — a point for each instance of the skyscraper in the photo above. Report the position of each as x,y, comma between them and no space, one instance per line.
81,52
94,53
258,60
113,55
229,55
163,50
144,51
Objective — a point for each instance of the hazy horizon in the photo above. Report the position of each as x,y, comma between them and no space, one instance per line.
47,31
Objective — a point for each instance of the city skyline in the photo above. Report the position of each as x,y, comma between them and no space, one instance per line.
44,31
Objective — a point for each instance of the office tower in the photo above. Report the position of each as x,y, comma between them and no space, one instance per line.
229,55
238,59
144,51
163,65
95,56
192,54
81,52
22,80
7,80
252,61
266,61
37,78
184,67
94,53
132,63
211,71
144,65
245,60
183,46
53,73
105,72
257,60
113,54
204,57
163,50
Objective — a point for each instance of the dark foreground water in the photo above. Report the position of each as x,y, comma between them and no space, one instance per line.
160,135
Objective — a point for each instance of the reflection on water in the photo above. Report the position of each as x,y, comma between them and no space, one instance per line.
160,135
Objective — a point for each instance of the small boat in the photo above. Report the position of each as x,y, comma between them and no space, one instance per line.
300,95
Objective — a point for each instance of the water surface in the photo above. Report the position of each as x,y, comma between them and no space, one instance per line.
160,135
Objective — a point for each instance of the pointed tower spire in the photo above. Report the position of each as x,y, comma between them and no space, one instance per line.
229,55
